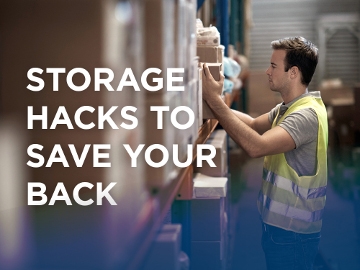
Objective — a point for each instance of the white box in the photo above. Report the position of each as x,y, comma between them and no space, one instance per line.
209,187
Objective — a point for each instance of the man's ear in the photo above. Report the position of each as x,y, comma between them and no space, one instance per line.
294,72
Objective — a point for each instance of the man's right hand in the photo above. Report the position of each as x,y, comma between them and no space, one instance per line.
211,88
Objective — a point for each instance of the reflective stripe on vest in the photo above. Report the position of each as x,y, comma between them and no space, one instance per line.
288,185
289,211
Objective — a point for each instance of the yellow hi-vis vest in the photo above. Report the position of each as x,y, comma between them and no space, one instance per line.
287,200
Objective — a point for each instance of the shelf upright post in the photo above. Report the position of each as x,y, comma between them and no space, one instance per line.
222,22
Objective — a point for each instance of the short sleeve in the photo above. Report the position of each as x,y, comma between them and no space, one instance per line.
302,125
273,112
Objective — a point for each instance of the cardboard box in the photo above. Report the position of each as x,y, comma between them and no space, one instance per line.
71,34
164,252
159,42
190,26
193,132
219,140
174,229
221,55
334,89
206,255
180,33
207,219
215,69
208,54
42,39
210,254
167,136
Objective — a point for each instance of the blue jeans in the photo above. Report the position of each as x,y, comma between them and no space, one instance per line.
286,250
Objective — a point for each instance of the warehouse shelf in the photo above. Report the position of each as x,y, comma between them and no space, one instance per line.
114,235
158,206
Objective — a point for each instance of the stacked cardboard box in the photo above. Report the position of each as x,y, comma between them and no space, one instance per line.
170,42
71,34
208,209
163,36
209,50
208,232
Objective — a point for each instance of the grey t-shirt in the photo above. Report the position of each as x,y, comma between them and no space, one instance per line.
302,126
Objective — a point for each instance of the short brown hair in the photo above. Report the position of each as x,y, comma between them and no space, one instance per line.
301,53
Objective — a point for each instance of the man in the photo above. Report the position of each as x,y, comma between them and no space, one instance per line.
293,138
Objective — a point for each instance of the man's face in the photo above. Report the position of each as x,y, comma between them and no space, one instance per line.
279,80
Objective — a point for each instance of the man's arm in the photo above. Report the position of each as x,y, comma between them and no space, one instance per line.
259,124
273,141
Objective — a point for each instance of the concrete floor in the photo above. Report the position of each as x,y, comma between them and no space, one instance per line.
340,243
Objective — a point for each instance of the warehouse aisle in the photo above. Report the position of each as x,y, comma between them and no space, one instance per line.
339,247
247,252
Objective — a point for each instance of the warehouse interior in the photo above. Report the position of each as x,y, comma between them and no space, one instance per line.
84,70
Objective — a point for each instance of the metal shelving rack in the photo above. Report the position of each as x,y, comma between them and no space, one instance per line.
158,206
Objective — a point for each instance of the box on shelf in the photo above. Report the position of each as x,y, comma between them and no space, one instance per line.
219,140
209,187
43,38
165,135
208,54
209,234
180,33
207,219
206,255
159,42
210,254
193,131
215,69
208,36
190,26
166,248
